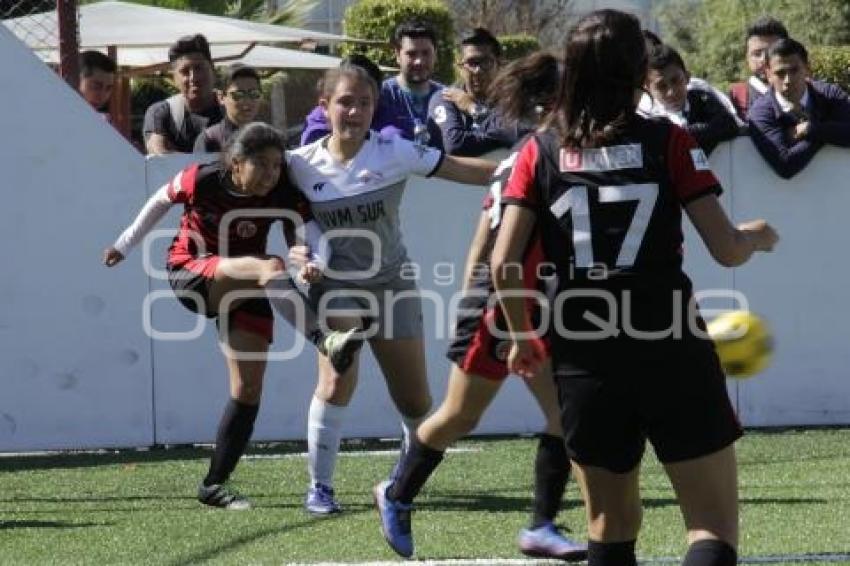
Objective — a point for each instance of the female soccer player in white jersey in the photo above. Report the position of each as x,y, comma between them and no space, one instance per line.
207,273
354,179
605,189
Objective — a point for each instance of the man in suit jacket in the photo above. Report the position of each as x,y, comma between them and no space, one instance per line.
797,116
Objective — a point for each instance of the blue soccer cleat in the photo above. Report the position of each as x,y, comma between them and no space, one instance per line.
320,500
395,520
547,542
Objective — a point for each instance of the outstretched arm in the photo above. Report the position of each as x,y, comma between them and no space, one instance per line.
151,213
469,170
729,245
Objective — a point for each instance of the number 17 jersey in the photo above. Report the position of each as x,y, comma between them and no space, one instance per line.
609,219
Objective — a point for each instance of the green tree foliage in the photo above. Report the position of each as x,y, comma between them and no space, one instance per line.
291,13
376,19
710,33
516,46
831,64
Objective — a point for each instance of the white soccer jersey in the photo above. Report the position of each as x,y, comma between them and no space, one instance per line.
363,195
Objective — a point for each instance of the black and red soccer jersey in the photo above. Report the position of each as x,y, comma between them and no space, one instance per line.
215,209
494,206
609,219
475,348
617,208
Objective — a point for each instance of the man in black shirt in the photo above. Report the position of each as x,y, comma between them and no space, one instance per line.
240,97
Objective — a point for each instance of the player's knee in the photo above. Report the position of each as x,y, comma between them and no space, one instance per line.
248,393
618,524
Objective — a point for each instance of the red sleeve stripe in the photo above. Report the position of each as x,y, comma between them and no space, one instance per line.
521,188
182,186
689,182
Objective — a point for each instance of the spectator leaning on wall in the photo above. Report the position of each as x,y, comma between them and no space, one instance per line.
240,96
797,116
97,79
172,125
698,110
460,122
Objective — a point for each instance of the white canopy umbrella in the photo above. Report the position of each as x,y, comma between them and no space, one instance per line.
261,57
132,25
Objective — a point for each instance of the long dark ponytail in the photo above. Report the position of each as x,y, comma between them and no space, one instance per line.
604,62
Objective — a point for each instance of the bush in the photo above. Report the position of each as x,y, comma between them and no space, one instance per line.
376,19
517,46
831,64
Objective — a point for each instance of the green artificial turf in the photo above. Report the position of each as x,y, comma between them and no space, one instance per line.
139,507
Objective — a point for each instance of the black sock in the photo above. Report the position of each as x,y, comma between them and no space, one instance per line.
234,431
417,465
710,553
611,553
551,472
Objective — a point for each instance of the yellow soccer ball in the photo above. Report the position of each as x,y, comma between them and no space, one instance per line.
743,342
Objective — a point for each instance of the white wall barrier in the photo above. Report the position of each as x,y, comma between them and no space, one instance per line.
75,366
800,289
79,371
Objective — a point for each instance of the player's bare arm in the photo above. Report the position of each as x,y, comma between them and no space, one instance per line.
468,170
729,245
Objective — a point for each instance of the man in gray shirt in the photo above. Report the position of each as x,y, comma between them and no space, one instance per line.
172,125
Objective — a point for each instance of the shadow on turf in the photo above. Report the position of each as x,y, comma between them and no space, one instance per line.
88,459
465,501
31,524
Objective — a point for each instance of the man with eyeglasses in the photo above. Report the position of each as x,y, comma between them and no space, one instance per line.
240,96
459,120
172,125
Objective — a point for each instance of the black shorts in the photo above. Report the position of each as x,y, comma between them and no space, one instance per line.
673,394
192,290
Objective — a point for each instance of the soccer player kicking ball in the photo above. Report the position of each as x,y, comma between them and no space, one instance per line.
204,273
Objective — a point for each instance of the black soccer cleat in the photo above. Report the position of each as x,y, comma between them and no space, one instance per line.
340,346
217,495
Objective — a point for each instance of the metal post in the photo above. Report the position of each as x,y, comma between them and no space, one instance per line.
69,47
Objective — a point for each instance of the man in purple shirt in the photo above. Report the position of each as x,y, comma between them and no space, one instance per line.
797,116
403,101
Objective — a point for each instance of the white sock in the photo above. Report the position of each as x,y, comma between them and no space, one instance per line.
408,428
291,304
324,431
